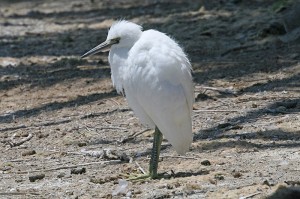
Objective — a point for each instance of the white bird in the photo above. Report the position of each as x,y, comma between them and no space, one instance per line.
155,75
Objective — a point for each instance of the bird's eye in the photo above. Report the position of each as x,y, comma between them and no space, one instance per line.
116,40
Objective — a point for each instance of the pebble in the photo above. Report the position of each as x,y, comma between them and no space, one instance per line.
78,170
81,144
219,177
236,174
33,178
28,152
61,175
268,182
206,163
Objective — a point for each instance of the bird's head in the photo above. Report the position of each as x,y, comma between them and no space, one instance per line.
121,34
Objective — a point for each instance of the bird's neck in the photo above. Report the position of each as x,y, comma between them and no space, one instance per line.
118,56
118,62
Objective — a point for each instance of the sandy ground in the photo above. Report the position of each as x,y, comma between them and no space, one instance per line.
62,123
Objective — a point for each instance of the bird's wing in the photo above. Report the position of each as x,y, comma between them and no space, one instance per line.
159,79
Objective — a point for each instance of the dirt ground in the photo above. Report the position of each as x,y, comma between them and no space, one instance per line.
63,126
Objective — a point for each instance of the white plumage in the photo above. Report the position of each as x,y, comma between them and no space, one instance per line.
156,76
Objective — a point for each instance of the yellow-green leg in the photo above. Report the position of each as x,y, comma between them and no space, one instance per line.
154,158
155,153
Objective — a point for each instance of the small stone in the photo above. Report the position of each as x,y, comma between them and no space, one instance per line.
36,177
266,182
28,152
212,181
170,186
202,96
98,180
269,182
18,180
78,170
24,134
81,144
254,105
41,135
219,177
161,186
236,174
136,192
70,193
206,163
61,175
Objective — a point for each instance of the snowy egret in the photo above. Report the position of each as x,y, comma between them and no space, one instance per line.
155,75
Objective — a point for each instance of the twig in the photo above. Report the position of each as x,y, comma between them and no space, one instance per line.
141,169
104,127
49,123
237,48
250,196
117,103
103,114
201,110
89,128
18,160
69,167
181,157
220,90
139,133
13,129
17,193
132,136
111,127
11,194
13,144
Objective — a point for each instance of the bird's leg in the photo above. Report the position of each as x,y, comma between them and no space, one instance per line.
155,153
154,159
